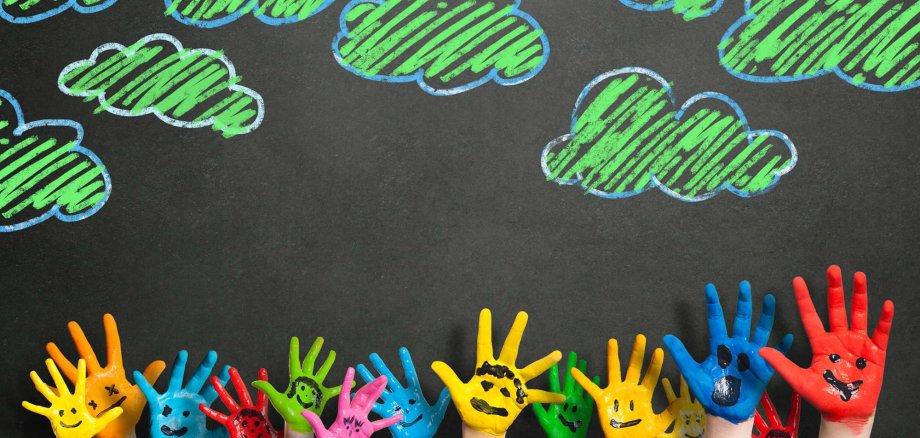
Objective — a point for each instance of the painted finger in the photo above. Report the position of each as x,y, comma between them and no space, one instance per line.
409,369
228,401
553,376
765,322
84,348
810,319
261,398
808,384
883,329
650,381
309,362
541,396
294,367
323,370
743,314
447,375
614,373
368,394
178,372
668,390
386,422
214,415
691,371
715,317
365,373
770,410
795,412
40,410
345,396
540,366
635,360
112,341
154,370
42,387
79,387
314,421
65,365
108,417
147,389
513,340
760,424
59,380
836,303
684,388
241,391
276,397
209,393
484,337
384,370
590,387
859,313
198,380
440,407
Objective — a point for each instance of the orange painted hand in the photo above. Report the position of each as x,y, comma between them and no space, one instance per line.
107,387
67,413
497,393
625,405
689,415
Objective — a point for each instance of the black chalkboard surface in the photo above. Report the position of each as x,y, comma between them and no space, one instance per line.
381,215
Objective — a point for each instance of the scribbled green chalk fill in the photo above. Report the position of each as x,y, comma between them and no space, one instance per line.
189,88
45,171
627,136
874,44
688,9
446,46
30,11
215,13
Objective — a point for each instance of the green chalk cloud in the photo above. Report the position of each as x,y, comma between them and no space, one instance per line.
30,11
873,44
627,136
216,13
189,88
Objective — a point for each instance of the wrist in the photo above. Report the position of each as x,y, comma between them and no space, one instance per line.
846,427
718,427
291,433
469,432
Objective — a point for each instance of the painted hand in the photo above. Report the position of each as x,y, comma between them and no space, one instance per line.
245,420
497,393
689,416
420,420
175,412
352,418
305,389
107,388
68,414
625,405
731,379
571,418
772,427
847,366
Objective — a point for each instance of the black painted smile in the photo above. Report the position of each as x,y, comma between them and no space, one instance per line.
306,405
173,432
846,390
727,390
114,405
411,423
71,426
484,407
617,425
572,425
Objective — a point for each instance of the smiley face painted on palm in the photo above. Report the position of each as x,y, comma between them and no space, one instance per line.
842,374
306,392
353,426
104,395
570,418
180,417
690,423
493,386
250,423
69,418
734,368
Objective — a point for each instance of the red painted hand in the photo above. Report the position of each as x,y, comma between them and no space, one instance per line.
245,420
845,376
772,426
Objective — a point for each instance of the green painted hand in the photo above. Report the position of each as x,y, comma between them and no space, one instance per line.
305,389
571,418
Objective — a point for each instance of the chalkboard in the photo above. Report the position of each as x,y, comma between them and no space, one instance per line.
385,214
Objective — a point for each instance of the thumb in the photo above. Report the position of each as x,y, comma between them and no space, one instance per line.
106,418
447,375
801,380
441,406
266,387
315,422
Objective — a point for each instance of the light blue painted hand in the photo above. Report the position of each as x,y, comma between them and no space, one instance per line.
175,413
730,381
419,419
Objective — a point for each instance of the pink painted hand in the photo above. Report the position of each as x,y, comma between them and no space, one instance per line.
352,414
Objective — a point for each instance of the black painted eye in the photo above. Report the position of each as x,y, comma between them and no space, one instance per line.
505,392
632,407
167,410
92,404
61,412
185,413
565,407
834,357
688,421
861,363
73,410
487,385
744,362
257,423
616,406
397,408
574,409
411,401
244,423
724,355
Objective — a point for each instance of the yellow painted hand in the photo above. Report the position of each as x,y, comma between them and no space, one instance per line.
497,393
108,387
625,405
67,413
689,416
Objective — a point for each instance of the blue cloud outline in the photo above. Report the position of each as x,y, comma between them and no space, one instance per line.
419,76
795,78
55,211
254,4
683,109
632,4
71,4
